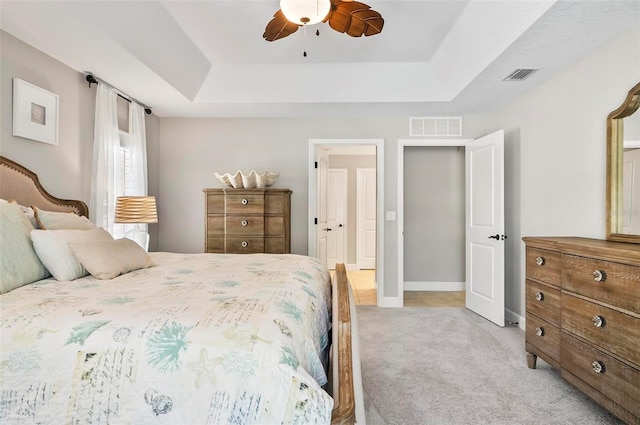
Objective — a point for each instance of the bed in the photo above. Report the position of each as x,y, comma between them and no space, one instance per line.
190,339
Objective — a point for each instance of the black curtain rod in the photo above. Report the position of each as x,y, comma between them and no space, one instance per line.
92,79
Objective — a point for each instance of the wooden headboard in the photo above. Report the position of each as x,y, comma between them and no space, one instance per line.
21,184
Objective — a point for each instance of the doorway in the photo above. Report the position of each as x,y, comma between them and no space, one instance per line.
348,231
483,186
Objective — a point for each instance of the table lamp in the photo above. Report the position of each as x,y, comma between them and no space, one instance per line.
136,210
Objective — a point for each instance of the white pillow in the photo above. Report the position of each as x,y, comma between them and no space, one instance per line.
108,259
52,220
19,264
52,247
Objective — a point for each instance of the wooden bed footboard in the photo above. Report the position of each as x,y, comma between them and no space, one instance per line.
344,411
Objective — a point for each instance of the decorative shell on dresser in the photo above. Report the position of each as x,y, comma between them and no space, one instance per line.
249,181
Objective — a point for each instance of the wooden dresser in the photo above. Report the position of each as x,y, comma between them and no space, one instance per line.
583,317
247,221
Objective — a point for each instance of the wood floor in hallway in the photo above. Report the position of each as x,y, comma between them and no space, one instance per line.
363,283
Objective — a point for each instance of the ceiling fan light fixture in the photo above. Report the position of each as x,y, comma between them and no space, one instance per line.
305,12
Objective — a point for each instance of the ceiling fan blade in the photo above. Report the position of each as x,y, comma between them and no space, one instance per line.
355,19
279,27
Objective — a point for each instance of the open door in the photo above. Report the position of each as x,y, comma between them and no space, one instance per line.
485,227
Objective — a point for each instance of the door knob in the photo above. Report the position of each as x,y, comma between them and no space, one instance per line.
327,229
339,225
496,237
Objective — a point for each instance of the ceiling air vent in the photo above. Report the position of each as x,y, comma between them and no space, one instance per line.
435,126
520,74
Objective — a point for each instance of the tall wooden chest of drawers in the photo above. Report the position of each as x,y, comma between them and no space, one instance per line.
583,317
247,221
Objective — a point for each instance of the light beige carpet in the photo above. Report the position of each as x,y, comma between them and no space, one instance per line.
450,366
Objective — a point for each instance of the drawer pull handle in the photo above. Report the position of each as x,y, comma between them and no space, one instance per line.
598,366
244,244
598,321
599,275
539,296
244,223
244,201
540,261
540,331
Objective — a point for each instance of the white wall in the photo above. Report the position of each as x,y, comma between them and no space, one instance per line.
555,142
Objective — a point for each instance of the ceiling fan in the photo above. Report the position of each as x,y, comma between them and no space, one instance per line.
347,16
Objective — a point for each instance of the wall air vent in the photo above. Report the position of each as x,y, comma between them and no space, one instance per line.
435,126
520,74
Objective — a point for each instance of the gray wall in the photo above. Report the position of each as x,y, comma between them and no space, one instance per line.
351,163
555,152
434,214
64,169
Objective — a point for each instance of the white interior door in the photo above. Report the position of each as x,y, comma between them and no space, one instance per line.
366,218
485,227
321,178
336,213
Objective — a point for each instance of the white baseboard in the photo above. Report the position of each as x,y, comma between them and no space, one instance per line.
390,302
351,267
434,286
512,317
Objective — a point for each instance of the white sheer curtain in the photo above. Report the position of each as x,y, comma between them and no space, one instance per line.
136,173
119,161
107,160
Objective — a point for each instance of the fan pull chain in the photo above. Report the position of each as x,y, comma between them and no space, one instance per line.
304,52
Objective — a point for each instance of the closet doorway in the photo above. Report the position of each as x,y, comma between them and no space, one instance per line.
451,220
345,206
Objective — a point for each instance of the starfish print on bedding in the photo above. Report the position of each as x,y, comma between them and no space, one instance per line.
204,368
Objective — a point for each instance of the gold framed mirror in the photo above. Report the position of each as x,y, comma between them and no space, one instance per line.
623,170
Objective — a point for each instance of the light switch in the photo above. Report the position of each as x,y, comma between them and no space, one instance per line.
391,216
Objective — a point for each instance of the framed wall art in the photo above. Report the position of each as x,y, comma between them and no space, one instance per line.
35,112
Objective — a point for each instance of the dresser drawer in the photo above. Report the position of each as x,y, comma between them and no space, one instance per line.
543,336
274,226
543,301
215,245
616,332
215,225
275,246
244,225
543,265
275,203
610,283
618,382
244,203
215,203
244,245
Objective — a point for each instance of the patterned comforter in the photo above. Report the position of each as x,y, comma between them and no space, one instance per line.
197,339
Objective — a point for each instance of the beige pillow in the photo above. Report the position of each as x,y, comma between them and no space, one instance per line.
19,264
52,247
108,259
52,220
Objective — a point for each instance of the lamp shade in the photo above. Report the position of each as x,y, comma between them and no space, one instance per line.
136,209
305,12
